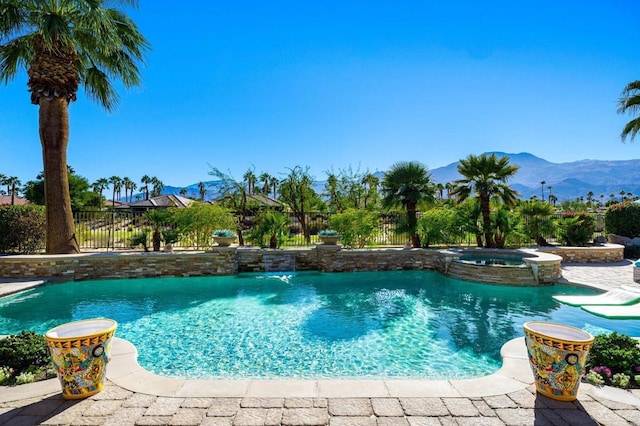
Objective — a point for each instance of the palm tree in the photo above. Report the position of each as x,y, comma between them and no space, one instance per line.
126,183
3,179
630,103
542,184
408,184
274,185
264,178
11,183
117,184
145,180
202,190
440,188
486,177
449,187
371,181
156,191
331,186
63,44
98,186
250,178
183,191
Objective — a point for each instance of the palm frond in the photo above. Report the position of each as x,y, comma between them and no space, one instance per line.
13,16
631,129
15,55
99,88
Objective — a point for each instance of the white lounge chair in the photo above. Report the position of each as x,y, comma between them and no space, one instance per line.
623,295
617,312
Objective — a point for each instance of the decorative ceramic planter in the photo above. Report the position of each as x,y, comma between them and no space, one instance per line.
224,241
329,239
80,352
557,354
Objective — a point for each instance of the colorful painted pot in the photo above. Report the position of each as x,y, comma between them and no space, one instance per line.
557,354
80,352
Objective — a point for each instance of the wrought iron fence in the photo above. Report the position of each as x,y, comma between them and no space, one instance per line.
114,230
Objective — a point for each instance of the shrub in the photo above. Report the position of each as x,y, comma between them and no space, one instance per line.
538,221
575,228
22,229
271,229
623,219
631,252
141,239
438,226
21,351
616,359
197,222
357,228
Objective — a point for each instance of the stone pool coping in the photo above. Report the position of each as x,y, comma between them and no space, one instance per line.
515,374
125,372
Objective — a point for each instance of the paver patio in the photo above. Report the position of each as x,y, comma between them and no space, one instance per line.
148,400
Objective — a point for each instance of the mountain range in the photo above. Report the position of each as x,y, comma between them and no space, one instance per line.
568,180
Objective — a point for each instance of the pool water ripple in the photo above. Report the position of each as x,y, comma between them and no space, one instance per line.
399,324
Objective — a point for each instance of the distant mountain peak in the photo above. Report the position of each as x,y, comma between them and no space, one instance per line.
568,180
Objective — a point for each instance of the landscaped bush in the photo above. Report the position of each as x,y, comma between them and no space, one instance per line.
24,358
197,222
623,219
439,226
631,252
537,220
22,229
575,228
614,360
357,228
271,230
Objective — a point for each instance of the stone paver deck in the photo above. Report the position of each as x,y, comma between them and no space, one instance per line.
133,396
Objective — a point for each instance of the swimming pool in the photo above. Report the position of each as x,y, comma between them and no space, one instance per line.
397,324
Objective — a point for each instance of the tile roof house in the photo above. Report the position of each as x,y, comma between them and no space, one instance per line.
163,201
5,200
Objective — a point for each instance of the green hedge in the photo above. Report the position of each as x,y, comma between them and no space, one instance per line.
22,229
623,219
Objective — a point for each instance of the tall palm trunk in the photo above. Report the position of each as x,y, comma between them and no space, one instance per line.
486,221
54,137
412,224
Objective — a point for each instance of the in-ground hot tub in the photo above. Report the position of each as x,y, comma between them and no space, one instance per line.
502,266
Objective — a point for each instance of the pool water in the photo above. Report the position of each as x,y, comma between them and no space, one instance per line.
397,324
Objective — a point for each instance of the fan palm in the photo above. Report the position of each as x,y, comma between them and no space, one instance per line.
630,102
485,176
145,180
408,184
63,44
202,190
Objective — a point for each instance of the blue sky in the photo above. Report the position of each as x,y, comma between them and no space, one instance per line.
334,84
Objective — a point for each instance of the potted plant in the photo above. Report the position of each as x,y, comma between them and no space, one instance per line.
224,237
329,236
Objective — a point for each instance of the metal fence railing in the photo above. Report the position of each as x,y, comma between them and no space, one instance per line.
114,230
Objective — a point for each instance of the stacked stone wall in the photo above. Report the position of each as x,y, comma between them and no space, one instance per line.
231,260
605,254
102,266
